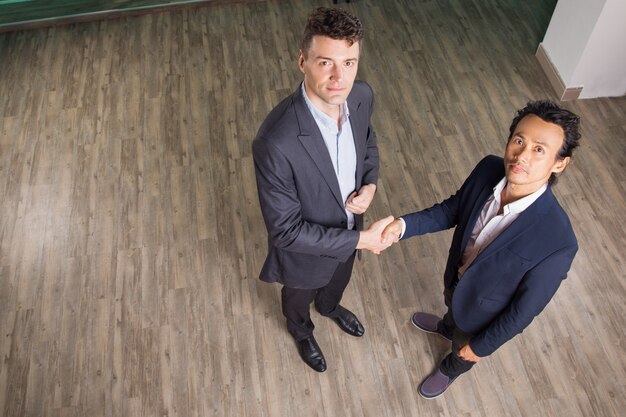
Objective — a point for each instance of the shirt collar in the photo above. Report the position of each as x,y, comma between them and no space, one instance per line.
321,117
520,205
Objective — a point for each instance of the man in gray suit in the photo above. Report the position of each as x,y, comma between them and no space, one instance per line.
316,165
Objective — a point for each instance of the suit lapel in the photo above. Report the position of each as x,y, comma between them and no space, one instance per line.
478,206
313,142
525,221
359,145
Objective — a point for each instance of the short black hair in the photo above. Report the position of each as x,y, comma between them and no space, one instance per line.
550,112
334,23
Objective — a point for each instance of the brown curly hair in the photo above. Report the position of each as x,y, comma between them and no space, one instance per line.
334,23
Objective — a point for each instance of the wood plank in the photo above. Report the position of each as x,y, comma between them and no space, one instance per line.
131,236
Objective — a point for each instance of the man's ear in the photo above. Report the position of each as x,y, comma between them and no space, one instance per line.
301,60
560,164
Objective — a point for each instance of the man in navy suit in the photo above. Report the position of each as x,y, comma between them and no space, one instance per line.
512,246
316,166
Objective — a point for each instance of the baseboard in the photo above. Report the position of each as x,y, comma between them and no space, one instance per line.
562,91
126,9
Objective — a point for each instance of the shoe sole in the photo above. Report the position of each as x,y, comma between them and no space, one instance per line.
431,332
429,398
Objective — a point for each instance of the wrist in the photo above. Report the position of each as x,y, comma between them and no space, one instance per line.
400,226
361,243
367,189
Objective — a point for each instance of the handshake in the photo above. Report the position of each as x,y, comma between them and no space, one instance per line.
380,235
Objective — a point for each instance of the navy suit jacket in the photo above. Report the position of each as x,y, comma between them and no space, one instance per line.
515,276
299,193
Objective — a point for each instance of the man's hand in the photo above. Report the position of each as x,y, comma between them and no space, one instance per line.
371,238
466,353
392,232
358,202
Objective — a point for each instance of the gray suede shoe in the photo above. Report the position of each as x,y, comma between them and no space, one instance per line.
435,385
428,323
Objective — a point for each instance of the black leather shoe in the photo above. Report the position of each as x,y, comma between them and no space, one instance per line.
348,322
311,354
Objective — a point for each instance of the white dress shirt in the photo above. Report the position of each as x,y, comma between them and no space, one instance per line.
490,224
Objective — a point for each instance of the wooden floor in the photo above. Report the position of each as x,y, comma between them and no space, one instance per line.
131,236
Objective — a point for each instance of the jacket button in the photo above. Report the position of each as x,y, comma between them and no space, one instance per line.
343,223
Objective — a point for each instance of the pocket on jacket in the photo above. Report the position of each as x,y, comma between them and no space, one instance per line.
301,270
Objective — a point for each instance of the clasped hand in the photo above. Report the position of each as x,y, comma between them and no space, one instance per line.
380,235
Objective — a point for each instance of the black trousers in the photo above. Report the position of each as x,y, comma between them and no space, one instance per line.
453,365
296,302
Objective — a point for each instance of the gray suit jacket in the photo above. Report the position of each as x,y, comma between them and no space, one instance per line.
299,192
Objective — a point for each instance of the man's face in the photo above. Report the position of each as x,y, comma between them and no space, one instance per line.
329,70
531,154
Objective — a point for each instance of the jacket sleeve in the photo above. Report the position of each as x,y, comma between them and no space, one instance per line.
371,163
445,215
439,217
281,210
536,289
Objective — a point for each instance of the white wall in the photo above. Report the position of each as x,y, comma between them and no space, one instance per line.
570,27
586,43
602,70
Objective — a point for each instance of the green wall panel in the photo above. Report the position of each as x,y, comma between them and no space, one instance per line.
21,11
